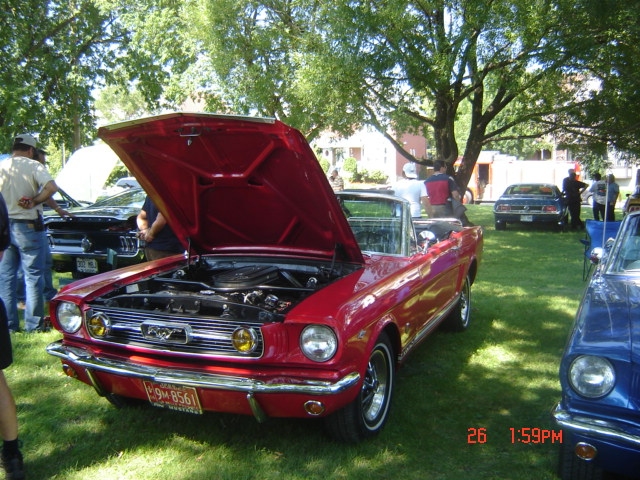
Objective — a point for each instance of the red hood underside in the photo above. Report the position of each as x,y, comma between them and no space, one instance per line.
235,184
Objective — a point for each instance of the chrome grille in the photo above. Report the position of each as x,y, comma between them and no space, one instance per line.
207,335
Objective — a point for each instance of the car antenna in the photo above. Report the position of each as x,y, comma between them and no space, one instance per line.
188,252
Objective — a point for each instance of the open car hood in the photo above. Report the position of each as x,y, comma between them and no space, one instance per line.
235,184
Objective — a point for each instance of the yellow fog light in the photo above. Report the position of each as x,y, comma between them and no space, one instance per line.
99,325
244,340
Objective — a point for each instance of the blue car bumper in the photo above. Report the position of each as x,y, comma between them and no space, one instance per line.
617,443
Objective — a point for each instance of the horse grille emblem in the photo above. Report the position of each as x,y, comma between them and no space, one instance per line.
166,332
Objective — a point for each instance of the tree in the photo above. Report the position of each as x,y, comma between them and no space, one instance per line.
400,66
55,55
262,58
608,33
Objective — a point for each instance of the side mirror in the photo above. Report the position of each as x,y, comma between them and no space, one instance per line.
596,255
427,238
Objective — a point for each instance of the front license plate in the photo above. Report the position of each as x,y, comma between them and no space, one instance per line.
175,397
87,265
526,218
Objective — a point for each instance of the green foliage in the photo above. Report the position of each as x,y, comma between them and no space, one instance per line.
364,176
350,165
118,171
55,55
118,104
325,164
466,74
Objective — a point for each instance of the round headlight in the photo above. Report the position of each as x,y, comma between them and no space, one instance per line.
591,376
69,317
318,343
244,340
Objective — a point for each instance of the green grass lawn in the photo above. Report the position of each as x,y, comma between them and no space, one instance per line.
456,403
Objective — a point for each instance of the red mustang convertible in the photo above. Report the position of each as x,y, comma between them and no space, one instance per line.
289,301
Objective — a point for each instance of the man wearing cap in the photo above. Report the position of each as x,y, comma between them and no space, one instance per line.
25,185
413,190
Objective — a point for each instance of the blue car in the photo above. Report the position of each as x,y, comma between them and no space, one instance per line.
539,203
600,369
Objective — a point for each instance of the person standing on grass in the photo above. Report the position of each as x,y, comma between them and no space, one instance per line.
25,185
598,190
49,290
11,457
572,189
613,192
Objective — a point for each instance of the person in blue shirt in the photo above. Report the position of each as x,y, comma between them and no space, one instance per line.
153,229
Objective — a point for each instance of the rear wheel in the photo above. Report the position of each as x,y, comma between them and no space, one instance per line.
460,317
367,414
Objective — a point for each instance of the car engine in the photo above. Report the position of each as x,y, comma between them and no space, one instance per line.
209,300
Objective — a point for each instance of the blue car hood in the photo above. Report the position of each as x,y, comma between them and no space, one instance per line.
608,321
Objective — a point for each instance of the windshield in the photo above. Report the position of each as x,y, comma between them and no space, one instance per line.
625,254
129,198
379,223
530,189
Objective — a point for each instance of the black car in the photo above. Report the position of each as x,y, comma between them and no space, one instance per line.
98,237
64,200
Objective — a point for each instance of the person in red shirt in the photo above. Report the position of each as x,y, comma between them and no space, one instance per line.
441,188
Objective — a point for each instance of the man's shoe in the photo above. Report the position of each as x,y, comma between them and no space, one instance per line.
13,467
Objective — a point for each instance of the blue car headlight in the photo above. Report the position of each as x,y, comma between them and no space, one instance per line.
591,376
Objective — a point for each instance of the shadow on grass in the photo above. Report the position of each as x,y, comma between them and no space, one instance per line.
499,375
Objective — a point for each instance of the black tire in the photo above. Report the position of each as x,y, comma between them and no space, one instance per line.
501,225
119,401
367,414
570,467
459,318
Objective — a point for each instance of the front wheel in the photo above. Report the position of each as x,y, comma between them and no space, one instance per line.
501,225
367,414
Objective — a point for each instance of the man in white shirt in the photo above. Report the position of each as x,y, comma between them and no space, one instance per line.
25,185
413,190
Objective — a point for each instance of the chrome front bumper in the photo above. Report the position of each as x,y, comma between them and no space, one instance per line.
85,359
593,427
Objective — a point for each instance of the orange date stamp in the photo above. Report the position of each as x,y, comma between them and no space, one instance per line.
526,435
